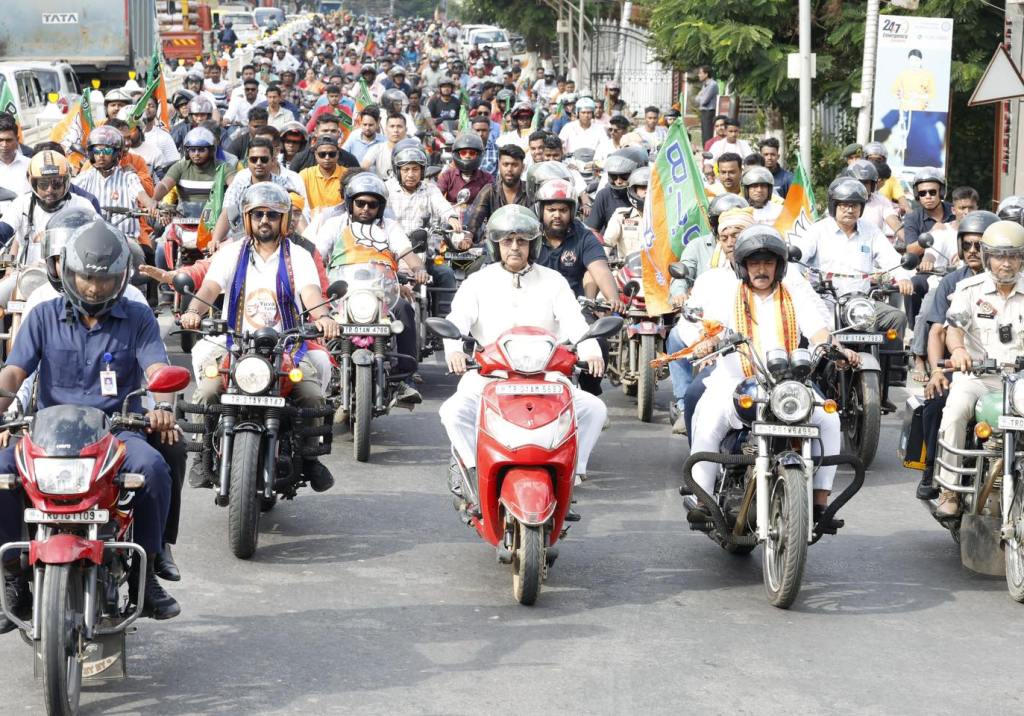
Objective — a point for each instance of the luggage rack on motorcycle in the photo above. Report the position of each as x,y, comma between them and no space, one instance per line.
726,535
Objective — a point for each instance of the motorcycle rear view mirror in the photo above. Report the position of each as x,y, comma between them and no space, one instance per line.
602,328
444,328
926,240
910,261
418,239
432,172
795,254
693,314
337,290
169,379
7,195
462,197
960,319
677,269
631,289
184,284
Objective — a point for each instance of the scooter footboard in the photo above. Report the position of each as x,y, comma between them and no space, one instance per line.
721,530
528,494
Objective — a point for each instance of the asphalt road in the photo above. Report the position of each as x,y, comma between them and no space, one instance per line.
374,598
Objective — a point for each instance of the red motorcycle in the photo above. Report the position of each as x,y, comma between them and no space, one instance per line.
88,575
185,245
526,448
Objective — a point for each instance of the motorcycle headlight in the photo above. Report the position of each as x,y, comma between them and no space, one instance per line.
29,281
253,374
528,354
363,306
859,313
63,476
1017,396
791,402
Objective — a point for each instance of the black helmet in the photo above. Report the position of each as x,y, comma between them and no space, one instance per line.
467,140
758,240
722,203
638,177
58,229
863,170
637,153
974,223
539,173
366,183
621,165
846,190
1011,209
95,251
513,220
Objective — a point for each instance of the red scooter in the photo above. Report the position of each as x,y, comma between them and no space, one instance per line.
526,448
88,574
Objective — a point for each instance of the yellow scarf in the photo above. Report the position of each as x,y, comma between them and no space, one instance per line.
716,255
745,311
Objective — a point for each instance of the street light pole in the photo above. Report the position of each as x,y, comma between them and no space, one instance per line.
805,83
867,78
579,48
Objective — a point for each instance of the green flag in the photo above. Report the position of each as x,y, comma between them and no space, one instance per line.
364,98
7,103
87,107
214,205
135,116
463,119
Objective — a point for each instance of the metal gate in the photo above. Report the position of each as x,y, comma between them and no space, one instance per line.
620,51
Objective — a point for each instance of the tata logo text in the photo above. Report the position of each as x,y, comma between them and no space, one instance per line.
60,18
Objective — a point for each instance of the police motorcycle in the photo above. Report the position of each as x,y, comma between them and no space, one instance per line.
258,434
858,390
990,480
87,572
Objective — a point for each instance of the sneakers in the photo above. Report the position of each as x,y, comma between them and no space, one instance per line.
927,490
19,599
158,604
949,504
408,395
165,567
317,475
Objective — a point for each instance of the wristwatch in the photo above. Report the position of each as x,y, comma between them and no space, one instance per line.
164,405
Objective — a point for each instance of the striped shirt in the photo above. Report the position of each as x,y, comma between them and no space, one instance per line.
121,188
426,204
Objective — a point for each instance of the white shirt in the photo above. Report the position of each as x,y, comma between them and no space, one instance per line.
654,138
826,247
985,308
386,235
723,146
280,118
489,302
259,306
574,136
877,210
514,137
14,176
158,148
768,213
623,232
945,246
16,216
378,160
238,110
715,293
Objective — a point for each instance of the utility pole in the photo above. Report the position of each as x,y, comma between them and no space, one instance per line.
867,78
805,83
579,48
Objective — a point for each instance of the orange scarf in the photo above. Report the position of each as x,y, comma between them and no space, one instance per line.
745,311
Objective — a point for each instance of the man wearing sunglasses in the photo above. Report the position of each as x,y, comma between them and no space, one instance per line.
323,181
929,190
194,175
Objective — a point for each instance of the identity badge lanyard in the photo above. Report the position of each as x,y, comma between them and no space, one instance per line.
108,378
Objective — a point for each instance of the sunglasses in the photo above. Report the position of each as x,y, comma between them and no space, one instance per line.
44,184
327,155
103,151
365,204
510,242
197,150
928,192
467,153
259,160
970,246
260,215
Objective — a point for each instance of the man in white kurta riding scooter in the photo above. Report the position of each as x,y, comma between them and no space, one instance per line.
759,300
515,291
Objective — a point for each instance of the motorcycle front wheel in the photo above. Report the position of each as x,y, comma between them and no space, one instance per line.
63,618
1013,549
362,413
528,564
245,496
645,380
865,424
785,550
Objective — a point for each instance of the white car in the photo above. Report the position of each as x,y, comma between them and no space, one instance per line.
488,36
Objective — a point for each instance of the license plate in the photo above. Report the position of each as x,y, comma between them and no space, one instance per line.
647,327
861,337
89,517
529,389
375,330
15,306
1011,422
462,257
263,401
785,431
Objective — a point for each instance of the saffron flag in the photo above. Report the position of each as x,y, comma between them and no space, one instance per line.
8,105
370,46
675,212
156,70
72,132
798,211
211,211
346,112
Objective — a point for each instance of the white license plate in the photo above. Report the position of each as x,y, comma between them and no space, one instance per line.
861,337
785,431
89,517
15,306
529,389
263,401
375,330
1011,422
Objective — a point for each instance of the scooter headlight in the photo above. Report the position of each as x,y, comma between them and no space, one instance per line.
253,374
859,313
363,306
1017,395
528,354
63,476
791,402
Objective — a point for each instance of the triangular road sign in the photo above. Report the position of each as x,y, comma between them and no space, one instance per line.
1002,80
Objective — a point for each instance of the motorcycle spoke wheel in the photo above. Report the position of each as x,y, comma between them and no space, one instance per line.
63,617
865,426
1013,548
528,564
245,496
362,413
785,550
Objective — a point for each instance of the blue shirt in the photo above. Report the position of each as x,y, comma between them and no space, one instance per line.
572,257
357,146
69,356
940,306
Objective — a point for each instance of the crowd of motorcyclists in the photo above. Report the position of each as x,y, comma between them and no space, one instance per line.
366,177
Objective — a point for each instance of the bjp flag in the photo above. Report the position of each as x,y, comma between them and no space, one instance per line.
798,211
